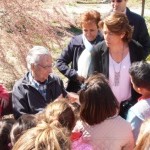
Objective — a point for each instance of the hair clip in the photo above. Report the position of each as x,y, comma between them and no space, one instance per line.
84,86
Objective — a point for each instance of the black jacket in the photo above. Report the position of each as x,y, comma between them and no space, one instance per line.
140,33
67,63
26,99
100,59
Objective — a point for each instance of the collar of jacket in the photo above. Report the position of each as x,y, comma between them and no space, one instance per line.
78,39
26,81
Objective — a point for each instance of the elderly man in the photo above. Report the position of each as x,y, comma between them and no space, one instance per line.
39,86
140,33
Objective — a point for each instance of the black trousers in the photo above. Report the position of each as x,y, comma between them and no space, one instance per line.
125,106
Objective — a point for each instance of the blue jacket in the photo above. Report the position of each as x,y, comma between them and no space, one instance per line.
137,114
26,99
68,60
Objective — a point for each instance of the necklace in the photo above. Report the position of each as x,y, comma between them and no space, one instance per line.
117,73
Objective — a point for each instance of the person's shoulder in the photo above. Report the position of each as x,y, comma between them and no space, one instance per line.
77,40
140,105
123,123
21,81
19,85
144,102
100,36
134,15
54,77
117,120
135,43
141,109
101,46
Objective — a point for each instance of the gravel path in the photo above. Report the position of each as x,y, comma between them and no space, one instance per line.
102,8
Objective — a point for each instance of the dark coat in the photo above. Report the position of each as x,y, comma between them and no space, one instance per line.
140,33
100,59
67,63
26,99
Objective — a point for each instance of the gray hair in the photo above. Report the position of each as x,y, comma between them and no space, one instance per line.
35,54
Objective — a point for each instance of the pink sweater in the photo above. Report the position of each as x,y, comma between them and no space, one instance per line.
111,134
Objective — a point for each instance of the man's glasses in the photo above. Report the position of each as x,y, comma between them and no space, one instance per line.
118,1
48,66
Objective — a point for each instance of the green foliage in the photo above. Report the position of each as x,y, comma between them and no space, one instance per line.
74,30
147,19
148,58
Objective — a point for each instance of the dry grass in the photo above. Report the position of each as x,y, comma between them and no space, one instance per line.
23,26
59,19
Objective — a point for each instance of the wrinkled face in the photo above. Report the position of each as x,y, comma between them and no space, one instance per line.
118,5
42,69
111,38
90,30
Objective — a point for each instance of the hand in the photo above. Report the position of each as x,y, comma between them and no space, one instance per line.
80,78
73,97
4,102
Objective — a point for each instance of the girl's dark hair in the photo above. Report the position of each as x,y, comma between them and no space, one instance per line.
140,74
25,122
97,100
5,128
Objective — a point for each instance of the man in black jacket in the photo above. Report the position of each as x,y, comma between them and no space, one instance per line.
39,86
140,33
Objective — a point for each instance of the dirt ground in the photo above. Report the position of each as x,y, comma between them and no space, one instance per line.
73,10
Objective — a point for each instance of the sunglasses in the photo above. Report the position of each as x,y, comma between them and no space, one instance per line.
118,1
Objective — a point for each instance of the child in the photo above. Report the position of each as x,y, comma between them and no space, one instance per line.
53,132
45,136
4,98
60,110
100,126
5,128
140,79
142,142
24,122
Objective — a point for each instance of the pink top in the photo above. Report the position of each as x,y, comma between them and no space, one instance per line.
80,144
3,94
112,134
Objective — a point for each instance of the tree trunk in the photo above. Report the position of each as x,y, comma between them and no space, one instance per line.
143,6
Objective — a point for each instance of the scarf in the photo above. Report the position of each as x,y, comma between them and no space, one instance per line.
85,58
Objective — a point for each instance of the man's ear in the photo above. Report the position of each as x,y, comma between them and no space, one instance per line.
32,66
140,90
